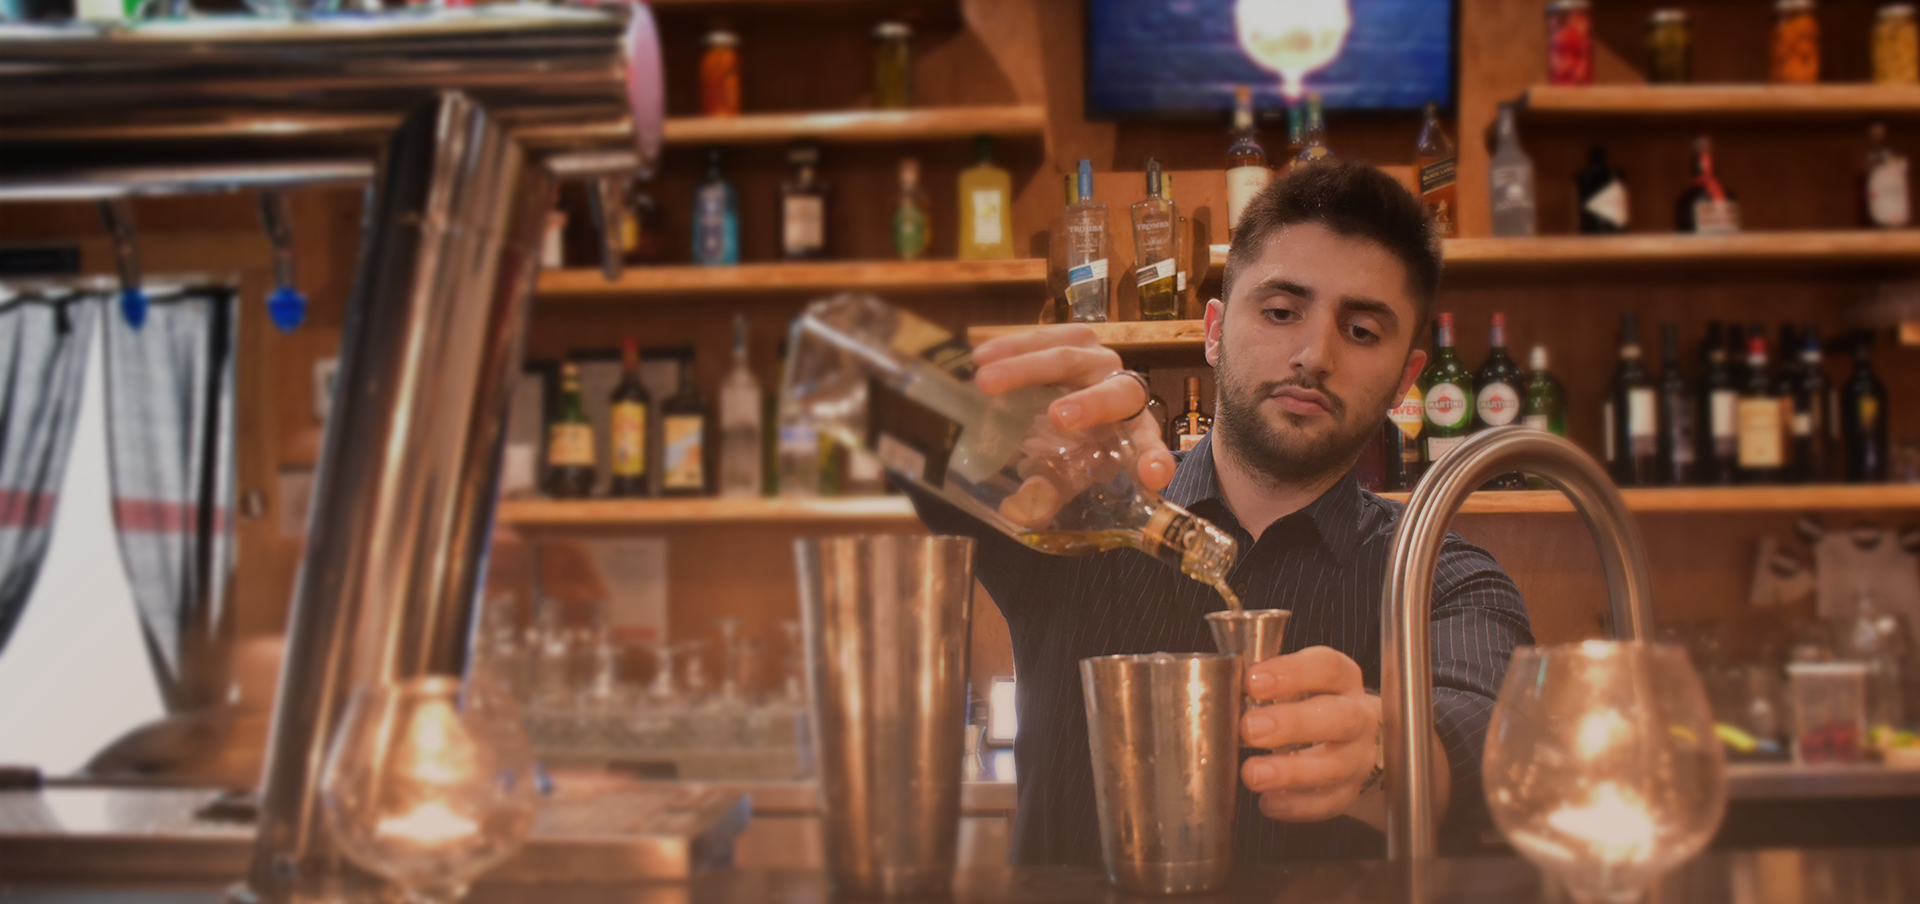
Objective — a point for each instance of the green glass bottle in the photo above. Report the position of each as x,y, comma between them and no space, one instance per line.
911,230
1545,406
570,459
1446,387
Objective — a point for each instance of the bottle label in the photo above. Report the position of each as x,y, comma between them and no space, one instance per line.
1438,446
1760,445
570,446
1712,217
911,439
986,216
1091,271
710,223
1802,423
1243,182
1536,422
803,218
629,435
1180,281
1409,414
1511,187
1189,440
682,446
1437,175
1724,428
1869,411
1643,422
1498,405
1610,204
1153,273
1446,405
1887,199
1682,419
916,338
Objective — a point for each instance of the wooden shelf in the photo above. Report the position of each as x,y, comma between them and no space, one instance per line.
1731,101
607,514
662,283
1124,337
931,124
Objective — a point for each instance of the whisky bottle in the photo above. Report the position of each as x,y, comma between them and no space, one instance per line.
885,380
1713,413
803,207
1510,185
716,217
912,230
986,207
1087,252
1195,424
1886,201
1676,412
1602,193
1446,391
570,466
1496,394
1758,419
1811,454
1434,166
683,437
1630,420
1707,207
1313,148
740,451
1154,251
629,423
1247,171
1863,418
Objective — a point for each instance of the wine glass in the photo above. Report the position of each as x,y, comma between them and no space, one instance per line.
1602,765
429,783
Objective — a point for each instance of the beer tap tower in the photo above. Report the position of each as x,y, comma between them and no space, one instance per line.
463,119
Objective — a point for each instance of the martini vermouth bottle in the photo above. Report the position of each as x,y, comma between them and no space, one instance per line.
887,382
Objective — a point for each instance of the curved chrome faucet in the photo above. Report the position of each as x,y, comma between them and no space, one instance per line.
1406,604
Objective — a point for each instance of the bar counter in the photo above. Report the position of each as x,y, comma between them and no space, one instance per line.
1781,876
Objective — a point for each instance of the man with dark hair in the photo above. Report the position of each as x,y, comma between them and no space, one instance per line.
1330,281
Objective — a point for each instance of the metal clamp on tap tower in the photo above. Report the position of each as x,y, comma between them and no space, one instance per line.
463,119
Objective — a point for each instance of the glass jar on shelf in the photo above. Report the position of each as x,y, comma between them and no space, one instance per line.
720,74
1570,42
892,66
1896,46
1795,57
1669,47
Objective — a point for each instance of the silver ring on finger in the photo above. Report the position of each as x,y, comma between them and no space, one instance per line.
1146,389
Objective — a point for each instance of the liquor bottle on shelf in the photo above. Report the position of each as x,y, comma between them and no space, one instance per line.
1446,393
1807,433
716,217
720,74
1863,418
629,418
1631,415
1296,128
1401,463
1087,252
740,450
683,437
1434,167
1496,395
1718,436
1786,382
1546,400
1676,445
1602,193
803,207
912,230
1162,415
1886,202
1182,227
1247,171
1758,419
1707,207
770,434
570,471
1195,424
641,239
986,207
1154,251
797,446
1510,185
1313,147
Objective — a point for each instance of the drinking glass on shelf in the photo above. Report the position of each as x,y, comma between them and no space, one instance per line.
729,659
429,783
1602,765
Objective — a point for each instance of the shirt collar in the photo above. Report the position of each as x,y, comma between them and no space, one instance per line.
1335,515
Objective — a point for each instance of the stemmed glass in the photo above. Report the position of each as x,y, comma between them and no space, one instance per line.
1602,765
429,783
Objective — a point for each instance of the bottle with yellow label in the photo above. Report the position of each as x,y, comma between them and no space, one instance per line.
683,437
570,460
628,410
986,207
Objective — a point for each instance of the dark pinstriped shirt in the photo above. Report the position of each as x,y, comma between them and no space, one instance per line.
1326,563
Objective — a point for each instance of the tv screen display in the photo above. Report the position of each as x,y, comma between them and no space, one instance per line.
1180,59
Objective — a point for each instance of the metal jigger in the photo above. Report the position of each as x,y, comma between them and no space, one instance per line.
1254,635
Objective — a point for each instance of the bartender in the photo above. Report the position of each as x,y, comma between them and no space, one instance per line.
1330,283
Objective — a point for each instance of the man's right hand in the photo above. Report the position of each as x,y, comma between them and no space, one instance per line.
1071,356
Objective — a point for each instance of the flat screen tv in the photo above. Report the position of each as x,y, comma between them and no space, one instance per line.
1180,59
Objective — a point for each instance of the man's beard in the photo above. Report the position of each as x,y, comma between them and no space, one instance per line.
1273,453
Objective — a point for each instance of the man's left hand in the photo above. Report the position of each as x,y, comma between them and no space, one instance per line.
1318,699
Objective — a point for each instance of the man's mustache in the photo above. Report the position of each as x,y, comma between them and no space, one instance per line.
1334,403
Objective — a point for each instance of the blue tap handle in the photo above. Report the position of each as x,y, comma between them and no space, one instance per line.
288,308
133,306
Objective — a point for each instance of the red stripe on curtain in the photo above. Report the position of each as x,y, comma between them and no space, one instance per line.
161,516
26,508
